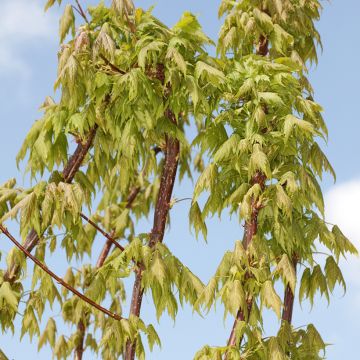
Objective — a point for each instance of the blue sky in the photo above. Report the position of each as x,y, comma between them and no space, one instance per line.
28,47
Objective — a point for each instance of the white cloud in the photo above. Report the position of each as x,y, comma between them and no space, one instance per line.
22,23
342,208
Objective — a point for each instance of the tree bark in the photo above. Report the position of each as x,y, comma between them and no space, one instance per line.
289,299
250,231
79,350
250,228
162,207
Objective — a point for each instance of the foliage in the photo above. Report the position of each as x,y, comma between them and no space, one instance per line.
128,87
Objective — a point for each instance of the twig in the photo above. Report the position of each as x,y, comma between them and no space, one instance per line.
81,11
109,237
112,66
57,278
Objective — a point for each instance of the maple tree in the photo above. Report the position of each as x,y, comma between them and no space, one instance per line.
128,87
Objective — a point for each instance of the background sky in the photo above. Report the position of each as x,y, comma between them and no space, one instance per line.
28,47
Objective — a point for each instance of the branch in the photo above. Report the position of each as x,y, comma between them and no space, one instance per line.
112,66
80,10
69,172
109,237
57,278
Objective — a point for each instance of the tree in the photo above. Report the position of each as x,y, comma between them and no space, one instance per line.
128,87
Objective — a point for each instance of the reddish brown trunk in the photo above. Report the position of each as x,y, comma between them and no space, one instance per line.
162,207
289,299
79,350
250,231
250,228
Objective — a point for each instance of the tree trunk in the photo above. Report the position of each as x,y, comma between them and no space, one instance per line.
162,207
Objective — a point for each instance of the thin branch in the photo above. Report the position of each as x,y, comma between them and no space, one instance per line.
81,11
112,66
109,237
57,278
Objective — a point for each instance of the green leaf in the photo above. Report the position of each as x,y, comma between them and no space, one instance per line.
196,220
275,350
8,296
292,121
154,46
333,274
259,161
287,270
174,55
264,20
270,298
67,22
209,73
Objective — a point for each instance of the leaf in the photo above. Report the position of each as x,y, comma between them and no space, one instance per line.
344,245
259,161
48,335
275,351
158,268
305,284
174,55
8,295
67,23
271,98
291,121
333,274
153,337
318,282
196,220
264,20
3,356
50,3
104,43
123,6
270,298
154,46
228,148
207,72
286,269
206,180
283,201
20,205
